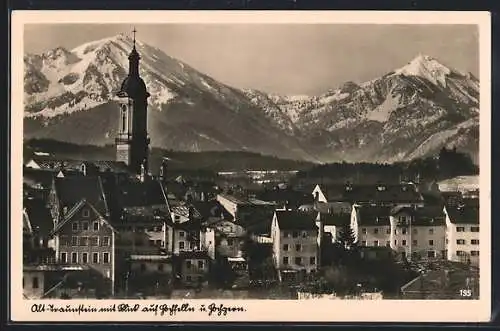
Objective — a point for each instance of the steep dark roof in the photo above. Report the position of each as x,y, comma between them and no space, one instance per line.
212,208
369,215
452,198
39,216
294,198
372,194
134,193
463,215
333,207
113,166
294,220
38,178
71,190
262,228
337,219
423,216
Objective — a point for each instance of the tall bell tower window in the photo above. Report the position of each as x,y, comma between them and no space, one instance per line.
124,118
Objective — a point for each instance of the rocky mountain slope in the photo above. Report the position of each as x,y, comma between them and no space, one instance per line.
69,96
408,113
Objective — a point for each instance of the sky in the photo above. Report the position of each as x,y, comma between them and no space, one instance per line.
283,58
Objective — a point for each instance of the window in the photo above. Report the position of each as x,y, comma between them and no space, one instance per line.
474,229
312,260
460,242
298,260
402,219
74,226
285,247
304,234
375,231
94,241
460,229
431,242
431,231
64,257
388,231
363,230
96,226
181,244
84,241
286,234
403,243
74,257
85,257
285,259
35,282
298,247
395,231
375,243
446,241
181,234
85,212
200,264
230,242
403,231
395,242
295,234
63,240
74,241
105,241
161,267
188,264
95,257
474,242
460,253
431,254
105,257
474,253
387,244
415,242
363,243
85,226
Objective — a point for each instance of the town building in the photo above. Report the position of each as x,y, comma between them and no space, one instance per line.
462,233
371,225
418,233
295,247
82,231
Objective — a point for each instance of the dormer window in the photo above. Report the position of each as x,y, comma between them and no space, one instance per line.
381,188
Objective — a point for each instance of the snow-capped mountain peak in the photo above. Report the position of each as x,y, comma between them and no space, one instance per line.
427,67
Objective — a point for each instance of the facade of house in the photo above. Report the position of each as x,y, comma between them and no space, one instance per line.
85,237
418,233
295,246
462,234
193,267
371,226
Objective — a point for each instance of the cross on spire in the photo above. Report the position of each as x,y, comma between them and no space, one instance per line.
134,31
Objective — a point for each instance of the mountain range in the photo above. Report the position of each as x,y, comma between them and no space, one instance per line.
414,111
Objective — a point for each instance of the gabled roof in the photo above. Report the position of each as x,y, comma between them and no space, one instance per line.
294,220
134,193
373,216
333,207
71,190
379,193
463,215
77,207
39,217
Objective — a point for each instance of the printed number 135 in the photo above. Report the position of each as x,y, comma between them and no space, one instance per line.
465,293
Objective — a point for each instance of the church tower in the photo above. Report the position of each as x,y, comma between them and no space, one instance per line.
132,141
